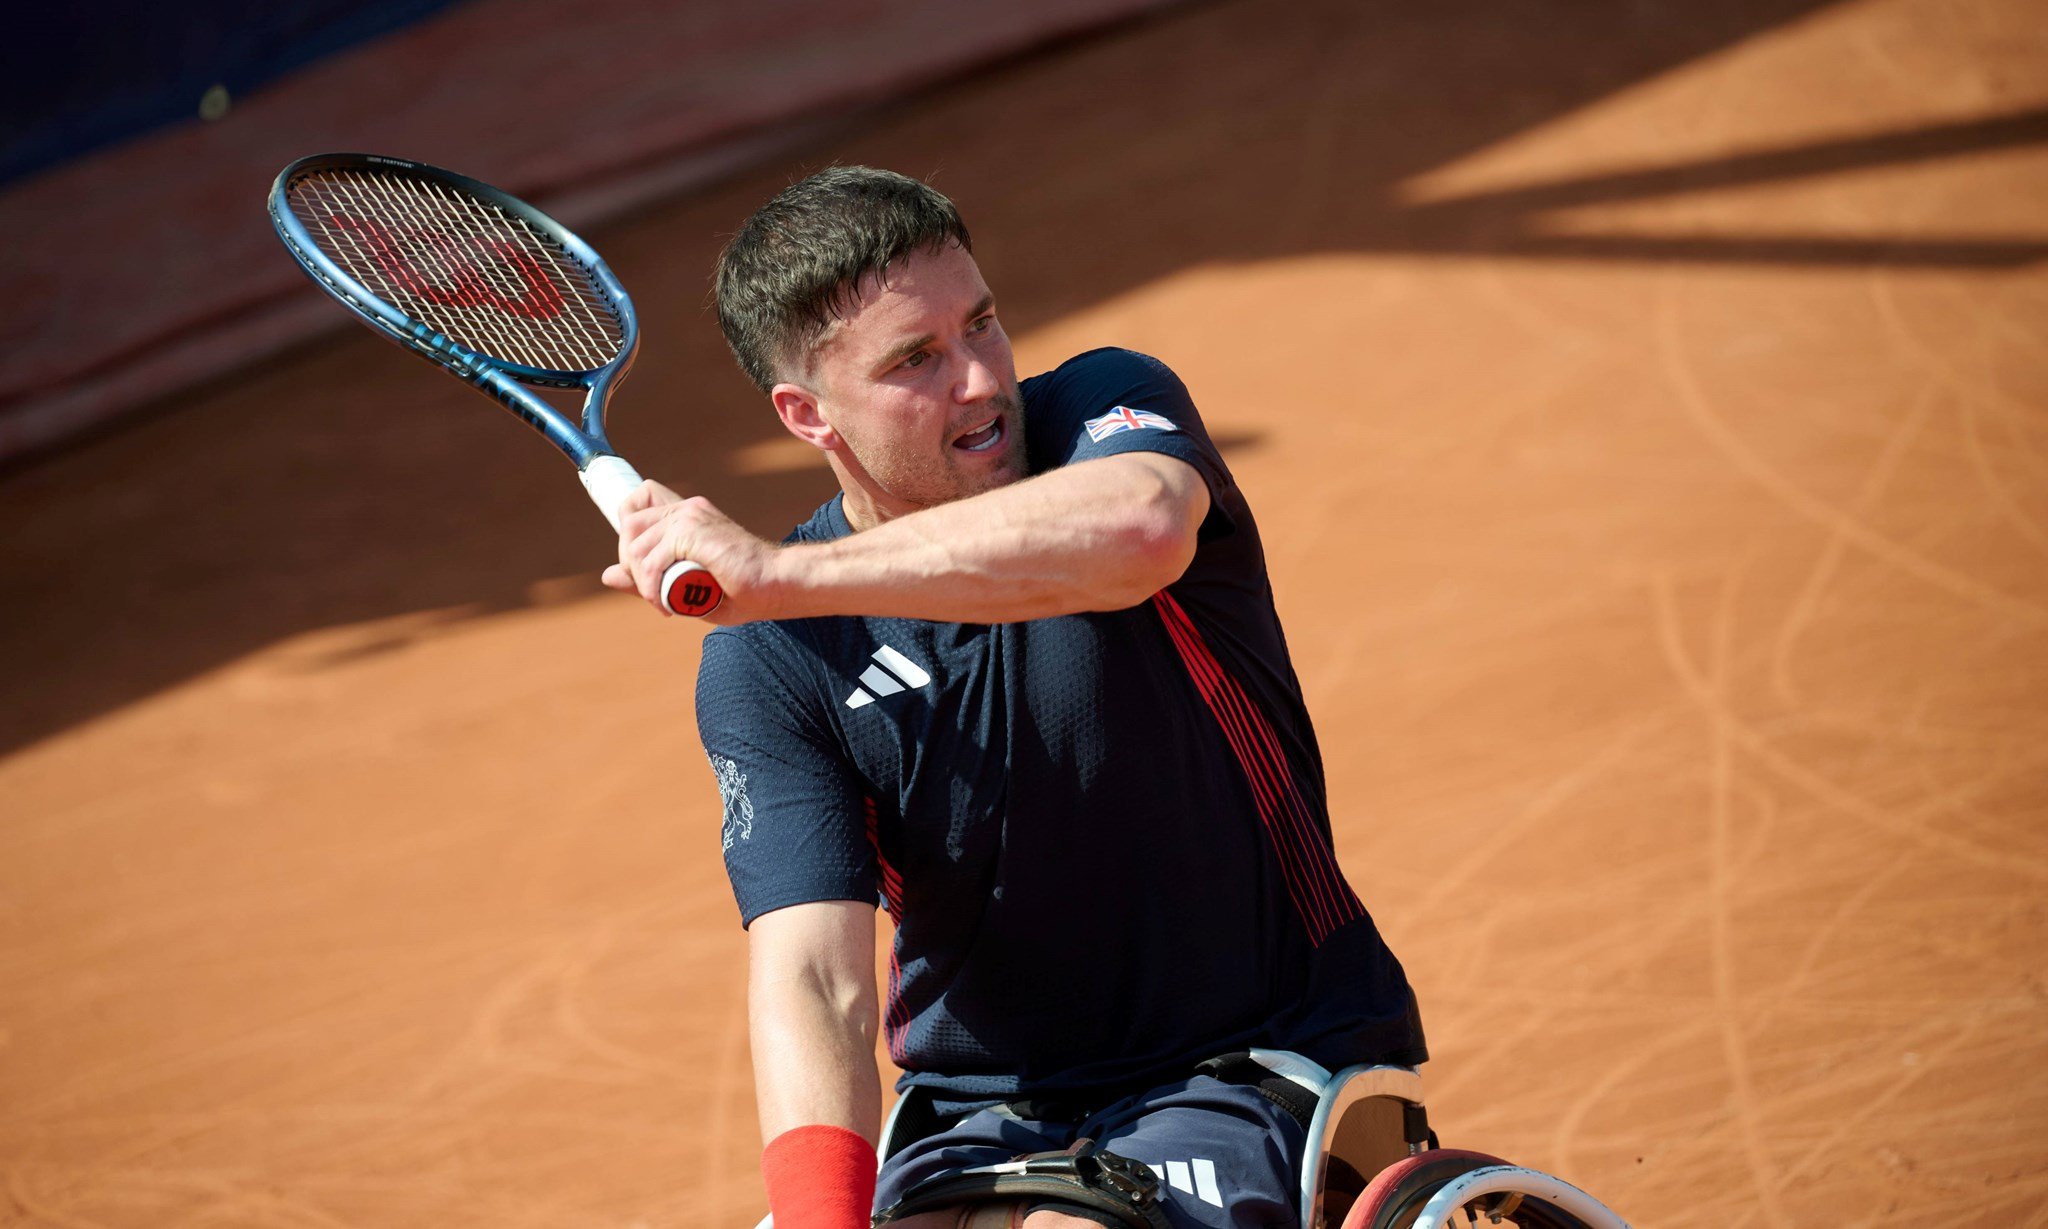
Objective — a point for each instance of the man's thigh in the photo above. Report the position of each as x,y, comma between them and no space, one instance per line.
1227,1157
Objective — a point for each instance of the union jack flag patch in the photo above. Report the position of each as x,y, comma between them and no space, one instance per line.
1124,418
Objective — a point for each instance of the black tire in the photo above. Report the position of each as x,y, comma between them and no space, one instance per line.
1399,1192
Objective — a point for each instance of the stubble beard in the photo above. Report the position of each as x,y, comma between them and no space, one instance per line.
922,481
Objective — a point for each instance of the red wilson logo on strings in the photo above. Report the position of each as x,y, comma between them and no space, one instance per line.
456,280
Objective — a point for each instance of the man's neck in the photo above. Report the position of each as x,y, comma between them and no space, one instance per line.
856,501
860,511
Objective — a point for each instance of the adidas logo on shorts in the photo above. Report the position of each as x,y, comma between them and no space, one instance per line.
878,679
1196,1177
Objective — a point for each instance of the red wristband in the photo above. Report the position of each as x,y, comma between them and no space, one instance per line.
820,1177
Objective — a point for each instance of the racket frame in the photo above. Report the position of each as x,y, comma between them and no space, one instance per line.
501,379
686,588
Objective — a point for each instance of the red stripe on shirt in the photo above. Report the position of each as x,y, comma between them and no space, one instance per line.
1308,864
894,1016
1267,787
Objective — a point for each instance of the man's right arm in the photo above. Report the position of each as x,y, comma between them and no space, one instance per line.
1103,534
812,1016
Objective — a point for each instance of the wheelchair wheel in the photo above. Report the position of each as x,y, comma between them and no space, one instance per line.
1396,1196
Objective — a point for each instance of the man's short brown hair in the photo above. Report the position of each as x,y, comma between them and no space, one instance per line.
798,262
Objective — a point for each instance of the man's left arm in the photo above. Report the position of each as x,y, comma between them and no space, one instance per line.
1101,534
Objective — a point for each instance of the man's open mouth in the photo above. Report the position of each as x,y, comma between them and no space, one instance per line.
982,438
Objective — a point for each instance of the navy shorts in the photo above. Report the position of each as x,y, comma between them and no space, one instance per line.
1226,1156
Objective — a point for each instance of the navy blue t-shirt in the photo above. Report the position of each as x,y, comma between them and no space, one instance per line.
1102,837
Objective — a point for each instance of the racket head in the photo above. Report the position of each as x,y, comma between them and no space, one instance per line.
459,272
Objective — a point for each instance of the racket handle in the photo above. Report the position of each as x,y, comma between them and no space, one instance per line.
686,588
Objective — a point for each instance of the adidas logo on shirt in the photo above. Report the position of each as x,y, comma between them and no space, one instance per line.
879,680
1196,1177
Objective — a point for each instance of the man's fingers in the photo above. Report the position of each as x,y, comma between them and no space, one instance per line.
649,555
658,528
644,506
644,534
648,494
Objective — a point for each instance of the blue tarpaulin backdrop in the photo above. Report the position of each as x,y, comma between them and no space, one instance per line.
88,75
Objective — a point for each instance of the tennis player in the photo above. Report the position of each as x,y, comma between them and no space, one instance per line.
1022,682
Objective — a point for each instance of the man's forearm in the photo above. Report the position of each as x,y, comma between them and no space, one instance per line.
812,1014
1098,535
812,1017
814,1058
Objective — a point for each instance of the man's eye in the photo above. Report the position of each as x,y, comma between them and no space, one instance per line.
984,324
914,361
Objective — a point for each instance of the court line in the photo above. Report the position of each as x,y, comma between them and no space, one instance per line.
1807,601
1692,398
1750,740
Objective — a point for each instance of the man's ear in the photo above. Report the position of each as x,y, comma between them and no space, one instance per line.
797,407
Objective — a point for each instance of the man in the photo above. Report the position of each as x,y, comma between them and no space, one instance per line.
1021,678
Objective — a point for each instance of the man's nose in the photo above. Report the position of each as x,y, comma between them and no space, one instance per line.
976,383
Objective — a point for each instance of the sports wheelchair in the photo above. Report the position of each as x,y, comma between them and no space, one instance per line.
1372,1162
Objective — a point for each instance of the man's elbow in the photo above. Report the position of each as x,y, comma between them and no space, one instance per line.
1166,543
1159,532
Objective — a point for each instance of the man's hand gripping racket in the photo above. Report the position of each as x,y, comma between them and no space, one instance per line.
490,288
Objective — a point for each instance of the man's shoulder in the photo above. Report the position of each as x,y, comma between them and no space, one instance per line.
765,671
1097,380
746,652
774,646
1106,363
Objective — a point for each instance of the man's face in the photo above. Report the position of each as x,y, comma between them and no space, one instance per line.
919,388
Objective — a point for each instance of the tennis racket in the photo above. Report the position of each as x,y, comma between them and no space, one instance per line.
490,288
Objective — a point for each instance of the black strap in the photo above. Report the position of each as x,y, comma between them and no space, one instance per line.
1245,1071
1043,1109
1083,1176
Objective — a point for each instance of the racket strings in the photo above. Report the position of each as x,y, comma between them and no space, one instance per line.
437,250
557,315
571,320
530,316
380,264
522,312
463,267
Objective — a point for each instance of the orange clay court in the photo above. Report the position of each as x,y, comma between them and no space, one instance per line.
1649,424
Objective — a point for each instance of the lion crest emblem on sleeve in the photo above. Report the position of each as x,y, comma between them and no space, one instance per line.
739,809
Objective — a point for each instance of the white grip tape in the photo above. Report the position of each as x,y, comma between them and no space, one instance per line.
609,480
